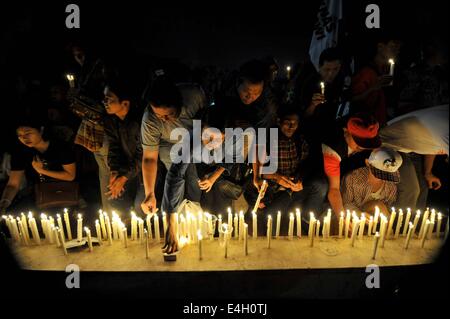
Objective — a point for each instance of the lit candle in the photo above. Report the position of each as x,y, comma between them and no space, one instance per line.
312,226
391,67
79,228
141,230
164,219
347,223
61,238
89,238
375,219
341,224
269,230
230,217
25,226
355,226
425,230
156,225
328,222
219,225
439,223
22,232
322,88
210,226
115,226
51,224
227,233
416,220
424,220
298,216
236,226
67,221
291,226
408,218
255,225
261,193
399,224
375,244
71,79
102,225
56,236
430,230
408,237
370,227
44,224
6,218
277,231
318,228
199,238
98,231
362,223
108,228
241,225
146,243
391,222
15,229
59,221
383,228
245,239
288,72
34,230
133,226
125,237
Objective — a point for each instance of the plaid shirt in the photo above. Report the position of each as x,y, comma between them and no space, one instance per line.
290,154
90,136
356,191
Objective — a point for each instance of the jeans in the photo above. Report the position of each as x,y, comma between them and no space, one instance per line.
412,189
101,157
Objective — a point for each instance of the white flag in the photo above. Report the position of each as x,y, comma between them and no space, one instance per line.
325,34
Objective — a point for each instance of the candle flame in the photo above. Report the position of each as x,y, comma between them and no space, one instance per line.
391,61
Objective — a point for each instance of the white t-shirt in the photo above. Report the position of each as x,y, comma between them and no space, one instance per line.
423,132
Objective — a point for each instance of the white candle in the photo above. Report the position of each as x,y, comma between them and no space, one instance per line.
59,221
312,226
424,220
425,230
384,225
288,72
156,225
241,225
261,193
230,217
446,230
255,225
25,226
219,225
146,243
362,223
245,239
102,225
375,218
399,224
125,237
44,224
34,230
322,88
79,228
375,245
141,230
6,218
211,228
406,224
277,230
98,231
312,221
89,238
408,237
291,226
439,223
67,221
51,224
347,224
164,219
61,238
317,228
391,222
341,224
369,229
56,236
416,220
298,215
227,234
199,238
269,230
391,67
149,226
71,79
15,229
355,226
236,226
133,226
429,233
22,232
108,228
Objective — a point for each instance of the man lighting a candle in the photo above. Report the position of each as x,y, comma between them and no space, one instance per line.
358,134
213,149
374,184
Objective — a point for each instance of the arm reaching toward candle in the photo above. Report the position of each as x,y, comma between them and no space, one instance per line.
171,242
149,172
433,182
207,183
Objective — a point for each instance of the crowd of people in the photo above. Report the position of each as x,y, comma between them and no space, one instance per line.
341,142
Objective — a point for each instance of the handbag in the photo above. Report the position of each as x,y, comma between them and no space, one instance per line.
56,194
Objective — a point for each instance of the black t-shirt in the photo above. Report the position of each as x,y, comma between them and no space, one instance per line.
57,154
